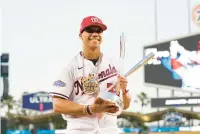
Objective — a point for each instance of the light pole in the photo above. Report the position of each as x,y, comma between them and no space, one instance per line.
5,74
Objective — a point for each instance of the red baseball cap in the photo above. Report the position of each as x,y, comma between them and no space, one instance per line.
92,21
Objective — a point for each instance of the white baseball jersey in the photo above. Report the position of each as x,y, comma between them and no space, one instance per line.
68,86
190,70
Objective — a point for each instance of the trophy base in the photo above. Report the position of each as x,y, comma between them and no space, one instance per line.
113,98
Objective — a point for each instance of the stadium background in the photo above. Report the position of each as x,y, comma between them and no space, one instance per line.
34,32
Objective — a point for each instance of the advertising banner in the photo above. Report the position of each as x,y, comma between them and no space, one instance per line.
175,102
39,101
176,64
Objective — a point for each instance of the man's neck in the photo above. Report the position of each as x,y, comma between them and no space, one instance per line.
91,54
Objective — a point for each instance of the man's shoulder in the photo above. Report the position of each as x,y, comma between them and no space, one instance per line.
111,59
73,63
75,60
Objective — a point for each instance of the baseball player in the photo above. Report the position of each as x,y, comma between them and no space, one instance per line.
186,64
75,93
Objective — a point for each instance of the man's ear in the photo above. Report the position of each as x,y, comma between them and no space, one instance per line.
80,36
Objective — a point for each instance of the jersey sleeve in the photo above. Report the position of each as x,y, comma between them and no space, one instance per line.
63,86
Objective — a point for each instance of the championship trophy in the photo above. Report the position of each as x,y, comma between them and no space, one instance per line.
114,97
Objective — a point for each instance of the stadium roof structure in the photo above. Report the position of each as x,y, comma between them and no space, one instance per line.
150,117
156,116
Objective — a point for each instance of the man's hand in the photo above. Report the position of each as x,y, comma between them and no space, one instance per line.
122,83
123,86
100,105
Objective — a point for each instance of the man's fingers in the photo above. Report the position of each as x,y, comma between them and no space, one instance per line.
108,102
112,109
123,80
99,100
111,106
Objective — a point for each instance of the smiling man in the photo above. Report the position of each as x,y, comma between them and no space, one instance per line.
76,92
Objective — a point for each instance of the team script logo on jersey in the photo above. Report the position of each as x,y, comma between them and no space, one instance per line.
102,76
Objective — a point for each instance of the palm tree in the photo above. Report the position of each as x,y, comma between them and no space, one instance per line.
20,110
9,103
144,100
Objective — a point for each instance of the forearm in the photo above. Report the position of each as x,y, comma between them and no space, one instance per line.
68,107
126,100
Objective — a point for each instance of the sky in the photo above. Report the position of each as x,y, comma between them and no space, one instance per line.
41,37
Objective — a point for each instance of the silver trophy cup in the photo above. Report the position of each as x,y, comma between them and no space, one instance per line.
113,98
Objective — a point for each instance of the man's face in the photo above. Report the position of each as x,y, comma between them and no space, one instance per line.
92,37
